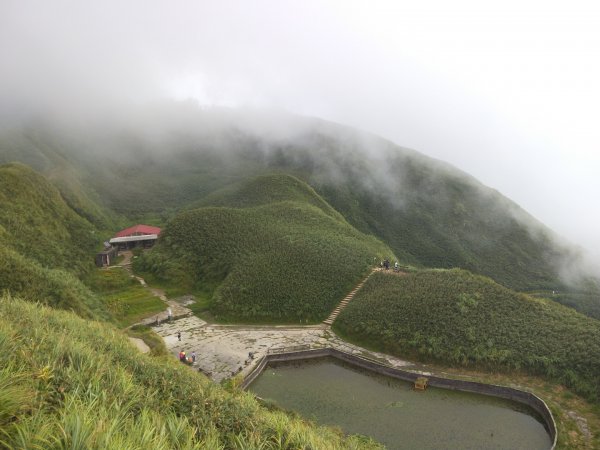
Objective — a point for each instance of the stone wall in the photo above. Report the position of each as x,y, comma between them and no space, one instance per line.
527,398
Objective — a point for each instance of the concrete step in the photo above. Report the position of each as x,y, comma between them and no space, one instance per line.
336,312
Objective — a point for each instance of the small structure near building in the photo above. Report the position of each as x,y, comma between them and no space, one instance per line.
107,257
421,383
138,235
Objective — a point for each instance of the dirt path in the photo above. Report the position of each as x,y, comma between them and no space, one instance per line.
177,307
140,344
126,262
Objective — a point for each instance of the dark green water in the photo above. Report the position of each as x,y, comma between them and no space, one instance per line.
334,393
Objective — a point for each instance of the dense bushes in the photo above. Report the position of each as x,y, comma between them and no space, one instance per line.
288,261
459,318
428,213
44,244
53,287
70,383
37,223
285,262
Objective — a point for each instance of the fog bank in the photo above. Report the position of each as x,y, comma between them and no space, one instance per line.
507,92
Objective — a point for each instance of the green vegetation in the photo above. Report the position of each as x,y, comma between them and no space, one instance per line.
152,340
584,297
37,223
265,190
70,383
260,246
58,160
433,215
123,296
458,318
428,213
44,244
288,261
53,287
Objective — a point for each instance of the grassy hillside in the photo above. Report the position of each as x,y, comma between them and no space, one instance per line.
267,189
44,244
58,159
458,318
58,288
37,223
584,296
427,212
123,296
287,261
70,383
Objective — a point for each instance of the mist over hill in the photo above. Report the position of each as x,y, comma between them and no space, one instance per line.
152,164
267,218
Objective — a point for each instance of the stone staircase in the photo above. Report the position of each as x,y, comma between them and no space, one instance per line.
336,312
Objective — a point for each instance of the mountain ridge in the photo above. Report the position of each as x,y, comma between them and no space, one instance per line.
428,212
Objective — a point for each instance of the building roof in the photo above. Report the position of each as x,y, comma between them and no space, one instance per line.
138,230
141,237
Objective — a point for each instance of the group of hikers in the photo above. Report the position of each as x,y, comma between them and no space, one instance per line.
190,360
385,264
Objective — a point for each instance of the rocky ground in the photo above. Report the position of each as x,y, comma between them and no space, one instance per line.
223,350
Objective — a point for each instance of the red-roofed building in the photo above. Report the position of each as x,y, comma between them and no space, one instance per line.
138,230
144,235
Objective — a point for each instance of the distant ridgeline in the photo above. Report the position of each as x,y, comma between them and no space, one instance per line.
426,212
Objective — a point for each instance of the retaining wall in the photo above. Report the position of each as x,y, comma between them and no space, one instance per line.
527,398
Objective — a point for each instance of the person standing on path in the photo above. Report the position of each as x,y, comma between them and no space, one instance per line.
179,335
170,313
194,357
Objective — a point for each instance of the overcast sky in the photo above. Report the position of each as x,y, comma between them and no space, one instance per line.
507,91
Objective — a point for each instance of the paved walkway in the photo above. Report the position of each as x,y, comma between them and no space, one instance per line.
223,350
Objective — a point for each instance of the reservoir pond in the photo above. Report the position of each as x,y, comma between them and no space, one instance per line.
332,392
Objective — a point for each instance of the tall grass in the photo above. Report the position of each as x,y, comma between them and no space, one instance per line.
458,318
288,261
68,383
38,224
123,296
58,288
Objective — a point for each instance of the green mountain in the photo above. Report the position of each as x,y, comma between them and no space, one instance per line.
461,319
282,254
428,213
267,219
44,245
38,223
58,160
67,382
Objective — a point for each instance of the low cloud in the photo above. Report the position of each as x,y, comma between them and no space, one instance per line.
507,92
